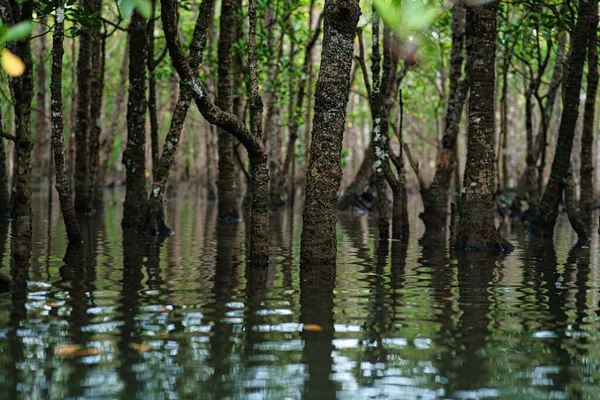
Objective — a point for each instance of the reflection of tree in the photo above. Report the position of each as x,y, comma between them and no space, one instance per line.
78,278
317,284
225,283
133,256
542,271
18,314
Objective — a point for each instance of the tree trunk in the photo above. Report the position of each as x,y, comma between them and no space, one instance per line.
226,182
573,213
435,198
318,242
543,226
134,156
154,222
476,229
225,120
361,181
58,145
95,123
21,89
586,198
82,123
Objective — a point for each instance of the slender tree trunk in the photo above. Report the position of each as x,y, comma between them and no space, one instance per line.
58,145
5,205
543,226
361,181
82,123
318,242
476,229
95,123
154,222
226,120
21,89
586,199
134,156
226,183
435,198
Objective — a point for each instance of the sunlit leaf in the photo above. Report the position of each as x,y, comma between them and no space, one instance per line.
142,348
12,64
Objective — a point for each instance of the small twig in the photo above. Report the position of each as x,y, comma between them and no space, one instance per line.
8,136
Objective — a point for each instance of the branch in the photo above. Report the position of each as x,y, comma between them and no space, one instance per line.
362,62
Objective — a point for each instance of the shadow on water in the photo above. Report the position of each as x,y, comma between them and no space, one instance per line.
185,317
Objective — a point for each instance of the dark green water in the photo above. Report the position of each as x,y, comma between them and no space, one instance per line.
184,318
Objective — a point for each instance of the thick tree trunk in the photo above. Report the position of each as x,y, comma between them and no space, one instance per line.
154,222
58,145
226,182
95,123
134,156
543,226
586,197
21,89
318,243
152,111
435,198
82,122
476,229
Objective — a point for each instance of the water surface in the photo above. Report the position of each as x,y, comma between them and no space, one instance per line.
184,318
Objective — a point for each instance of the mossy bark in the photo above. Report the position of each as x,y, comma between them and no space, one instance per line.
134,156
476,229
323,175
226,182
58,145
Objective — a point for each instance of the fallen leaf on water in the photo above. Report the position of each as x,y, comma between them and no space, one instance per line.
447,298
87,352
313,328
66,350
53,304
142,348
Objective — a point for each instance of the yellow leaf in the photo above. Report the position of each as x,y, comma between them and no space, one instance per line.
11,63
87,352
313,328
66,350
142,348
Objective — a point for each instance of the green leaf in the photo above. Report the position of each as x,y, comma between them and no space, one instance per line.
19,31
144,8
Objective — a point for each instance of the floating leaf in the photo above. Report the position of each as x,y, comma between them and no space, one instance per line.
87,352
66,350
11,63
313,328
142,348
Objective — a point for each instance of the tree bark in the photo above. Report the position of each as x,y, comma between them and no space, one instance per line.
226,182
42,131
58,145
435,198
586,197
95,123
213,114
323,175
21,89
543,226
154,222
476,229
134,156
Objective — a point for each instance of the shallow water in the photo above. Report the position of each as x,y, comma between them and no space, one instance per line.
184,318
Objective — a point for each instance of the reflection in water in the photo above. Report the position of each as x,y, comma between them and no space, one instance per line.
185,317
